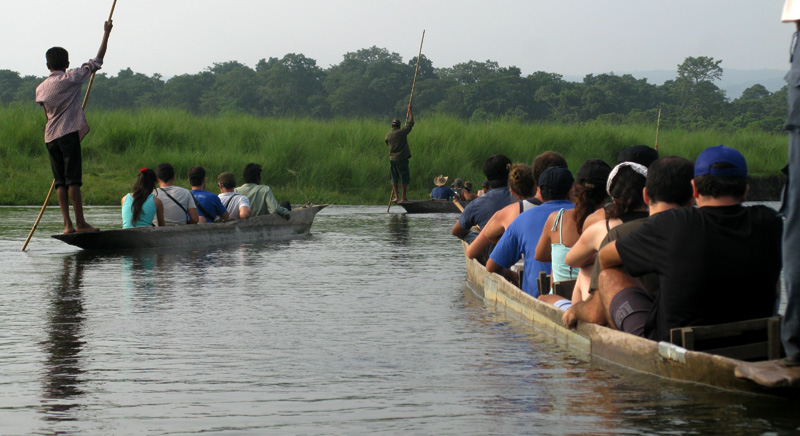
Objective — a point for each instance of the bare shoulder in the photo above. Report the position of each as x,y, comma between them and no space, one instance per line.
598,215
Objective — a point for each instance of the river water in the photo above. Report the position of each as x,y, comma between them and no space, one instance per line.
364,327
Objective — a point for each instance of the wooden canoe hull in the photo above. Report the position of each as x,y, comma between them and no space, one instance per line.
431,206
658,358
270,227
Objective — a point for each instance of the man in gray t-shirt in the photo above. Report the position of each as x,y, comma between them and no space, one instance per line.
238,205
179,207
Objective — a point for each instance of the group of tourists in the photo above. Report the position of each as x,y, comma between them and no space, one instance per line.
460,190
643,258
156,200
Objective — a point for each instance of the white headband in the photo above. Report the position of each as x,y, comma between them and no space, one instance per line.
639,168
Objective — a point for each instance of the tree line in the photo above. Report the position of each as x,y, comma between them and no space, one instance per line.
375,83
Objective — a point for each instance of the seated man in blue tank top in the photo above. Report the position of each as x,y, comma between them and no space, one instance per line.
522,235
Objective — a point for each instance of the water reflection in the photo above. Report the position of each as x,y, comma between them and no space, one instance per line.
62,378
398,229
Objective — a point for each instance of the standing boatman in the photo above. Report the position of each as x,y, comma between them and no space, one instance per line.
399,154
790,208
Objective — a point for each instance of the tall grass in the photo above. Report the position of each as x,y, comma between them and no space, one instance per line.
339,161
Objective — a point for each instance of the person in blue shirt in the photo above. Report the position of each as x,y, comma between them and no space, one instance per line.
208,204
442,192
479,211
522,235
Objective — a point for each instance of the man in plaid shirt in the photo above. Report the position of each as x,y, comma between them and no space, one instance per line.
60,97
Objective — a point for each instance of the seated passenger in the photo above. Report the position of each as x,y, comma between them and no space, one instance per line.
640,154
262,202
484,188
178,205
525,189
463,190
441,192
237,205
669,186
625,186
564,227
522,235
479,211
716,263
208,204
522,186
140,207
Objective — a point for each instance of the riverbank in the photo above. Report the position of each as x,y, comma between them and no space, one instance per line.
338,161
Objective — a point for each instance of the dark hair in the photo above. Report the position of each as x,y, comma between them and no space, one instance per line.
544,161
721,186
142,188
589,192
669,180
165,172
252,173
396,122
227,180
520,180
496,170
196,175
57,58
626,191
468,186
641,154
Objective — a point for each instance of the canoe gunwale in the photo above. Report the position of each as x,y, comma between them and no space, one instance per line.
632,352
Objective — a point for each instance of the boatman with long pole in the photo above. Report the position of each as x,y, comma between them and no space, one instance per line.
59,95
790,330
399,154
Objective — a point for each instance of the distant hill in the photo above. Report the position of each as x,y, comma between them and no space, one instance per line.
734,82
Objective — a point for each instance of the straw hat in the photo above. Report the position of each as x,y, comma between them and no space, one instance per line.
440,180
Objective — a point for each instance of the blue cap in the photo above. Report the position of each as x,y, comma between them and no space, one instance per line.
557,180
718,154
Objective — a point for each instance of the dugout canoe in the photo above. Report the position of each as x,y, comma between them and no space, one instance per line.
256,229
432,206
633,352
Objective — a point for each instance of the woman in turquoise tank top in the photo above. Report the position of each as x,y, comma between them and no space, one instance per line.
140,207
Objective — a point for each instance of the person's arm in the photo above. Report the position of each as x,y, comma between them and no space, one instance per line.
544,250
107,26
410,116
159,212
584,251
244,212
477,246
273,206
609,256
193,217
122,202
458,231
225,216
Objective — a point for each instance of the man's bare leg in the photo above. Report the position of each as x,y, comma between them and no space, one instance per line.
404,188
610,283
394,193
77,206
63,203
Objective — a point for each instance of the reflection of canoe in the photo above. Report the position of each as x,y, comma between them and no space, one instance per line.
658,358
256,229
431,206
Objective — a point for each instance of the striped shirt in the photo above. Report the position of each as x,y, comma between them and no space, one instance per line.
60,94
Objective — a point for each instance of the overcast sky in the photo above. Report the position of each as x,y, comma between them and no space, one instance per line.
568,37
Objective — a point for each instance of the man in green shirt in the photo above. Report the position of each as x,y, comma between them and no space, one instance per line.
399,153
262,201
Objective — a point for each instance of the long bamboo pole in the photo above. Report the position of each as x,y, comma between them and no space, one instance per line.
408,112
658,125
53,184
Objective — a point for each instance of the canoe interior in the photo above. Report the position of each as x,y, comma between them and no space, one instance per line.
633,352
256,229
431,206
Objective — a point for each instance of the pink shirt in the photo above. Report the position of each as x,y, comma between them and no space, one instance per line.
60,94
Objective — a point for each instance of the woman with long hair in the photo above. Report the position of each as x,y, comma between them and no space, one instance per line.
140,207
564,227
625,185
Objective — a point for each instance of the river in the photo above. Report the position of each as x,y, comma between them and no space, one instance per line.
364,327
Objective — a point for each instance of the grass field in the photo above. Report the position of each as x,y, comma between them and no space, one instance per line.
340,161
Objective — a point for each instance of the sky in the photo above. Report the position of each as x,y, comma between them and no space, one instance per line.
568,37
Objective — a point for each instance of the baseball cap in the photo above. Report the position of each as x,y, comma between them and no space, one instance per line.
556,180
640,154
720,154
593,173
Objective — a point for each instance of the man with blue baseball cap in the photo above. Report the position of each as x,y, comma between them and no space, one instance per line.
716,263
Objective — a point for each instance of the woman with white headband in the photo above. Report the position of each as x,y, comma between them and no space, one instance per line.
625,185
